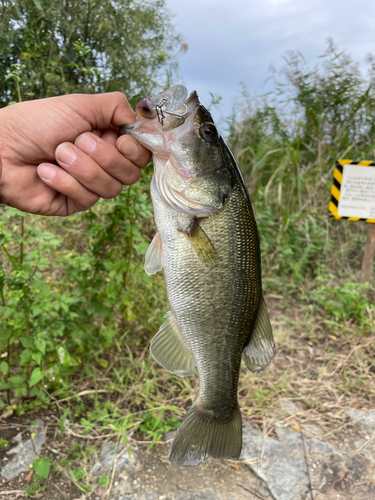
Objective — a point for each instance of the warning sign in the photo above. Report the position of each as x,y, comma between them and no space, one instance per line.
353,191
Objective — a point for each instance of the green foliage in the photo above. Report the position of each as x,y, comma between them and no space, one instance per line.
78,474
36,487
42,467
90,46
4,444
104,481
63,297
66,300
345,301
154,426
287,144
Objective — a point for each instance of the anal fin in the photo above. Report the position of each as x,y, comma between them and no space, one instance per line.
258,352
154,256
170,351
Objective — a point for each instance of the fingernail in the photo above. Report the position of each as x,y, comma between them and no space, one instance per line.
47,172
86,143
66,154
128,148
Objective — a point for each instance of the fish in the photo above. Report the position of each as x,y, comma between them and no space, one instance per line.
207,243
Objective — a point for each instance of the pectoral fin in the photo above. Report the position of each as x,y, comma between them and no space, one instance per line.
170,351
202,246
154,256
258,352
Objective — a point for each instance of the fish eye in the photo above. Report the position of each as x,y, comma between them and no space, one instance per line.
209,131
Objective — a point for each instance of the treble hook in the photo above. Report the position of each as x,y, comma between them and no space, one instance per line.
160,111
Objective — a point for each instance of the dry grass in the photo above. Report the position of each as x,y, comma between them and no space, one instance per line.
324,367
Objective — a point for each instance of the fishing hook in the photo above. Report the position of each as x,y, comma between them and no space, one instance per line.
160,111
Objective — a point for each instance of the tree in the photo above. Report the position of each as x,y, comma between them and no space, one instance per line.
85,46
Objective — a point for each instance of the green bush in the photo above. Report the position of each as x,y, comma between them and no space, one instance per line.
346,301
68,292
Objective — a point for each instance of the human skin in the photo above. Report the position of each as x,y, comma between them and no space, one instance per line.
59,155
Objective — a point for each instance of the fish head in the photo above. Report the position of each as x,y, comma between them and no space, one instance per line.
187,150
178,127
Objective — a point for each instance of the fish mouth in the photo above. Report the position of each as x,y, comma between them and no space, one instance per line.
167,103
158,118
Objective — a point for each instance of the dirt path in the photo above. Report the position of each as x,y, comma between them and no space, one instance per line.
296,463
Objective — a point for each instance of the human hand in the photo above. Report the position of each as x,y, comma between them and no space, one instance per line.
59,155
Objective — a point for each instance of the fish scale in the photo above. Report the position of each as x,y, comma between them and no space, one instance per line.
212,331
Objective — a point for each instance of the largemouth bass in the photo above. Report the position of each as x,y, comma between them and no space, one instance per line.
207,243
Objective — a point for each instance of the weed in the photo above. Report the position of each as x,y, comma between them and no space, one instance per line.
36,486
154,426
4,444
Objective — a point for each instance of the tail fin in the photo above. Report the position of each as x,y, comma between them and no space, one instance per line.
200,437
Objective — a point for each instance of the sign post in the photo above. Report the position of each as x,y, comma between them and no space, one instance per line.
368,257
353,198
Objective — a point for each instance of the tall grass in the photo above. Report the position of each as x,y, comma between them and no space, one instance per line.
287,144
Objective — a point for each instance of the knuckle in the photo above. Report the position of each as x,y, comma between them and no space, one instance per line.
89,175
120,97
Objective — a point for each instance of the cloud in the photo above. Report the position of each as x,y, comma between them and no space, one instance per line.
236,40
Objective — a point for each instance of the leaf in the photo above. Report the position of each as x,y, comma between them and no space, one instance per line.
37,357
4,368
42,467
38,5
296,427
16,380
41,345
78,474
104,481
36,376
61,354
63,418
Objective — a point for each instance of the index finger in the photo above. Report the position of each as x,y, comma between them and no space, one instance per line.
102,110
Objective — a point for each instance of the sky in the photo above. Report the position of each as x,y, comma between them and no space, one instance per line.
233,41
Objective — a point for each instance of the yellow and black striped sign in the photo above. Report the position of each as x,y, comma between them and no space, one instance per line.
336,186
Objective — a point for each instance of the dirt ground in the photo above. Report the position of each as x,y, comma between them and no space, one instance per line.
153,474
